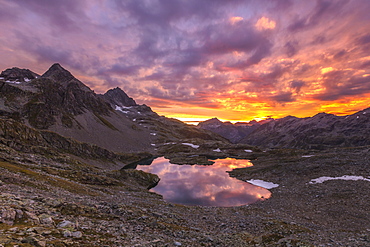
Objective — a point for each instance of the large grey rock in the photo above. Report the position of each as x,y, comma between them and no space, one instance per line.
77,234
46,220
66,224
8,215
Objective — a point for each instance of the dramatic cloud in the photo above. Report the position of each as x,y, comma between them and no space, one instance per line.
236,60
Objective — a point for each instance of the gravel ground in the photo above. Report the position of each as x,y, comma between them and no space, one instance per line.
47,202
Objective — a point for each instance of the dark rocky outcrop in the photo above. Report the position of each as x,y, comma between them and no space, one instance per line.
18,75
58,74
117,97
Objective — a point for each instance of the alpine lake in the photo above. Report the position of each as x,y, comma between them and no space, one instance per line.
204,185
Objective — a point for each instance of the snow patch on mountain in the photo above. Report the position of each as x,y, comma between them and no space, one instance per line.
13,82
191,145
121,109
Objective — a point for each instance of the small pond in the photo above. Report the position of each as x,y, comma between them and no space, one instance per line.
204,185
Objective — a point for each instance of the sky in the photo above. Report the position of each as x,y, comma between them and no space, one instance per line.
236,60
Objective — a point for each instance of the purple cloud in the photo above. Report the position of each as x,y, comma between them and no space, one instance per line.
364,39
63,15
339,84
291,48
283,97
191,51
323,10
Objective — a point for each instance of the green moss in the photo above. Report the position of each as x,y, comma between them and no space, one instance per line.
105,122
16,168
148,180
134,127
53,181
67,121
271,238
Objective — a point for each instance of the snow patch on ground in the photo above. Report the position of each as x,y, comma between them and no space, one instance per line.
153,144
153,134
248,151
263,184
307,156
191,145
345,177
26,79
217,150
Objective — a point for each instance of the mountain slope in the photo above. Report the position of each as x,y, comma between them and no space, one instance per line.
24,139
58,102
162,128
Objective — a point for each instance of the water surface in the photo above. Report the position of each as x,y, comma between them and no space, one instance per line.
204,185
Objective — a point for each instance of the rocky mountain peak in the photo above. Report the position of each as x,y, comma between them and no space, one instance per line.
117,97
232,132
17,74
213,122
58,73
63,77
323,114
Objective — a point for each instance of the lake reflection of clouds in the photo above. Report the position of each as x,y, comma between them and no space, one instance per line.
204,185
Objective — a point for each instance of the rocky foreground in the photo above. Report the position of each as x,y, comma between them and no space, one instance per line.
59,201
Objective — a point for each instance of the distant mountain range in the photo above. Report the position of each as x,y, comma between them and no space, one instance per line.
233,132
320,131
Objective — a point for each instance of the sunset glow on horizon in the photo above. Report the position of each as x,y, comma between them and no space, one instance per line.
198,59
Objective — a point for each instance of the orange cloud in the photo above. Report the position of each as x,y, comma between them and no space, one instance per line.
235,19
326,70
265,23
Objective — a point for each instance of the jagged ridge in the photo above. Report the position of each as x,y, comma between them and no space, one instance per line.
320,131
232,132
59,102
